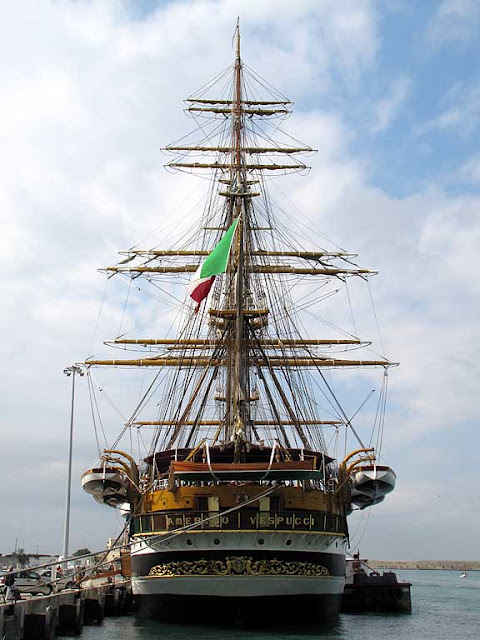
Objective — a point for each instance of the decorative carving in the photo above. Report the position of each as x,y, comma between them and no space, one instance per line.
238,566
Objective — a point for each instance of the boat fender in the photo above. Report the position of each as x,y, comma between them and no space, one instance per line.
396,593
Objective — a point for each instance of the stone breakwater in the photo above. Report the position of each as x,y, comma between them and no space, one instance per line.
448,565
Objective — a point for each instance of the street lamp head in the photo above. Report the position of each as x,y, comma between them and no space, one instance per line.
73,369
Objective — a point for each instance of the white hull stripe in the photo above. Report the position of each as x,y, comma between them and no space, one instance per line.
238,586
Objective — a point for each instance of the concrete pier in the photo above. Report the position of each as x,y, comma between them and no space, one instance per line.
64,613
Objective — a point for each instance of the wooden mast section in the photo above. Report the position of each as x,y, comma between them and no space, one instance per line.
238,390
206,343
270,362
255,268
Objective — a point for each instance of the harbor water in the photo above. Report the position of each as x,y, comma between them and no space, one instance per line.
445,607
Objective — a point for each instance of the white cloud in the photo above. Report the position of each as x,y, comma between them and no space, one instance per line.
424,247
430,507
386,109
461,113
470,170
454,20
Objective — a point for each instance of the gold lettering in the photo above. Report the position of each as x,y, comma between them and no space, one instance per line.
170,522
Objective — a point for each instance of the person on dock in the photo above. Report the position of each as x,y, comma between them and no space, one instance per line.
10,591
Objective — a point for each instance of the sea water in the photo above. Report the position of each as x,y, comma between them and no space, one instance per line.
445,607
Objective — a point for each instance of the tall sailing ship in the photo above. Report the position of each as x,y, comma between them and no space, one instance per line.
237,504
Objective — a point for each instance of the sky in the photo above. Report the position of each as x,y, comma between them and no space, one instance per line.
389,94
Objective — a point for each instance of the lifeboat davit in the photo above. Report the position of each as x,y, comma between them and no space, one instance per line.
370,485
108,485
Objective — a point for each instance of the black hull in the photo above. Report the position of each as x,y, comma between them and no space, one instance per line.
142,564
266,612
377,598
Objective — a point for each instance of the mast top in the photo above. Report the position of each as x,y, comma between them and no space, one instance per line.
237,39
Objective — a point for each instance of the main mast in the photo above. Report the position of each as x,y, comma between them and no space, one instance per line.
237,400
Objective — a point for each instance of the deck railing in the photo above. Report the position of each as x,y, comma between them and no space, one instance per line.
241,520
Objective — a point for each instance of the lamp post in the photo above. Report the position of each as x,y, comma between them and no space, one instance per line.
69,371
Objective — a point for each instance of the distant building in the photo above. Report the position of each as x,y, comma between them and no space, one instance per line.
30,559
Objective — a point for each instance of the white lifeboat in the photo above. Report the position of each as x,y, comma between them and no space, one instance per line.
111,499
108,485
370,485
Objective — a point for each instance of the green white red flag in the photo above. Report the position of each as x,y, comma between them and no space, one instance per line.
214,264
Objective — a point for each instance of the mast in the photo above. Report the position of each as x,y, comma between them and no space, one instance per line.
243,364
238,388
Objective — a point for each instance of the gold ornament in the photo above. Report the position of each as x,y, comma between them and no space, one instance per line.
238,566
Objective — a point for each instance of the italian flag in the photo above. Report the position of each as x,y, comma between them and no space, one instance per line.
213,265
